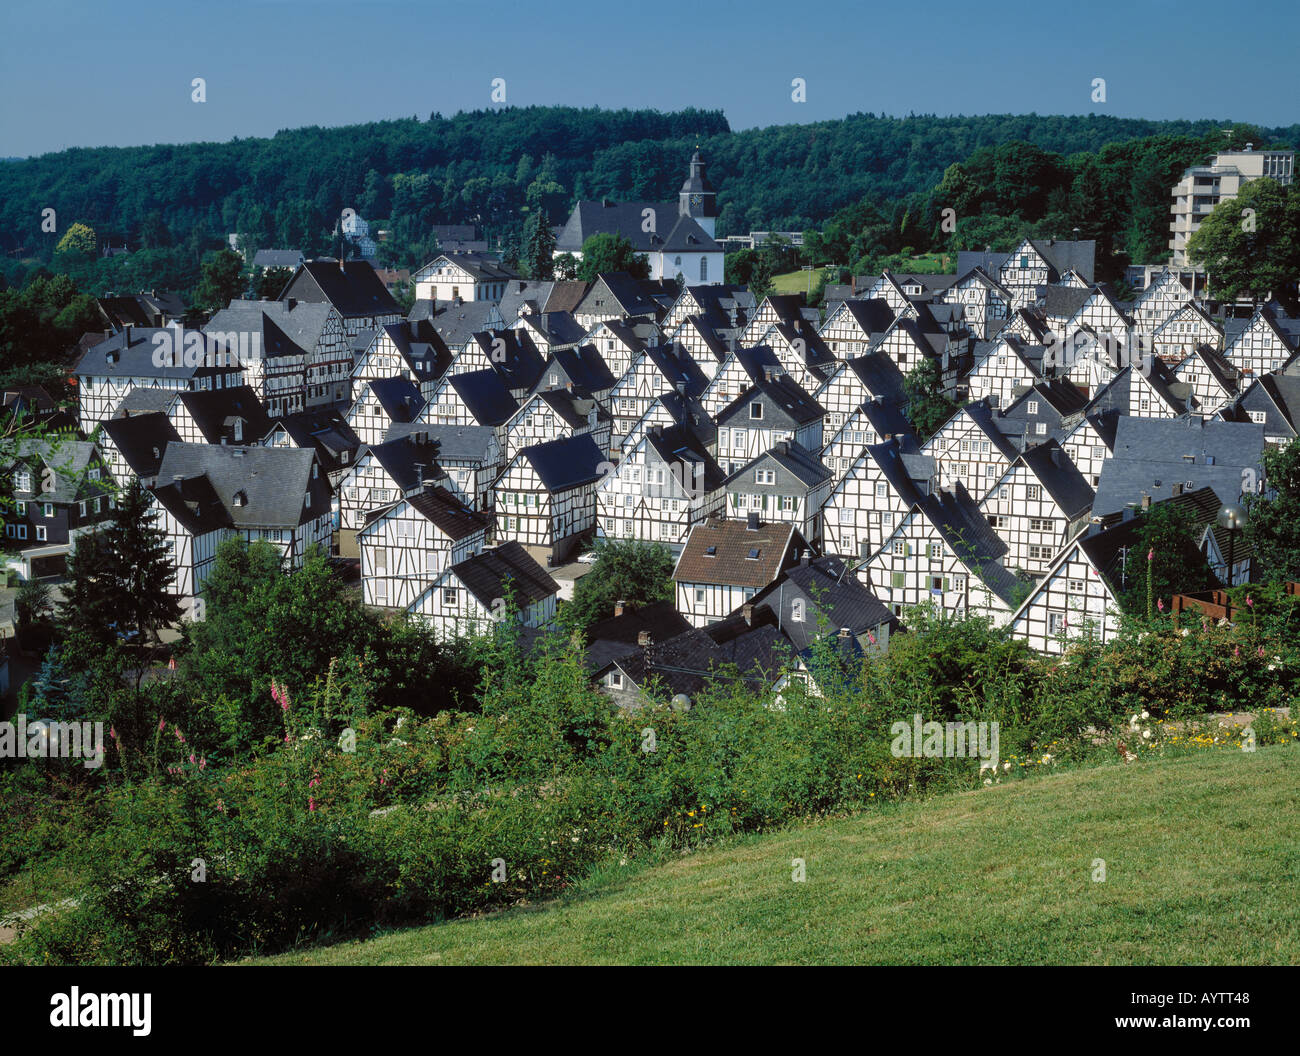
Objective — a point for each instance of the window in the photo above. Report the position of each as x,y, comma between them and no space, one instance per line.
846,515
699,596
47,509
1032,492
41,534
98,505
882,490
756,410
1040,553
22,481
787,503
1032,407
450,597
1076,586
94,472
1042,524
1055,623
1257,417
1040,428
722,438
796,610
764,476
936,551
704,269
899,547
616,680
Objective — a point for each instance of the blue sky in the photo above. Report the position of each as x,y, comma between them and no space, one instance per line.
118,72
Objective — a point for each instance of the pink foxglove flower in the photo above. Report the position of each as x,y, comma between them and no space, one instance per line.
1250,602
311,804
1160,604
1151,555
162,725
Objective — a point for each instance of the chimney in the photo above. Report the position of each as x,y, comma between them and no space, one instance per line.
845,632
783,447
1178,489
126,335
292,302
748,611
618,607
643,639
1146,502
803,561
568,386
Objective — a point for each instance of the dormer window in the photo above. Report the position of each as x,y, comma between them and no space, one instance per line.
756,411
796,610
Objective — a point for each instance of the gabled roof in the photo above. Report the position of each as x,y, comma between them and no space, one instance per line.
1052,468
566,463
1149,459
485,395
273,481
618,636
574,410
194,503
513,355
324,430
443,510
717,551
421,346
145,399
585,367
141,440
482,267
456,322
455,443
689,412
897,471
410,460
679,446
290,327
129,353
399,397
968,534
69,458
794,467
353,288
873,315
785,403
505,571
215,411
680,371
828,587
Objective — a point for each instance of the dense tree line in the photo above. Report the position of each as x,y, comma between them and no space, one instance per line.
171,205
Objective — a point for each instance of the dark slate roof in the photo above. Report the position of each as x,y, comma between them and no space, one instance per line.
444,511
421,346
679,445
584,366
732,542
287,327
827,586
572,409
785,404
559,329
880,376
277,258
273,479
145,399
671,230
456,323
629,297
1052,468
971,538
514,356
718,345
1218,365
215,410
129,354
680,372
505,570
324,430
1064,301
142,440
411,460
455,443
618,635
354,289
194,502
874,315
482,266
796,469
1149,459
486,395
565,463
142,309
897,471
399,397
983,415
690,412
69,458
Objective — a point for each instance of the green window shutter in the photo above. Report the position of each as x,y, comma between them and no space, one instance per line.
945,582
764,503
735,500
907,549
900,580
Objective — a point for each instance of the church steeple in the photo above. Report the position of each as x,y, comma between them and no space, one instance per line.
697,198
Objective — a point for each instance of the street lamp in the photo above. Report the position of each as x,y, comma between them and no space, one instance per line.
1233,518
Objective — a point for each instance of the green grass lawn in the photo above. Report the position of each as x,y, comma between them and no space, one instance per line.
1201,856
794,281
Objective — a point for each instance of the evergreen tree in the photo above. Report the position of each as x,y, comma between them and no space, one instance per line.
51,698
536,255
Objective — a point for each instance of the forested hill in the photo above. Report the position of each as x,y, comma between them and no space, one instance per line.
488,166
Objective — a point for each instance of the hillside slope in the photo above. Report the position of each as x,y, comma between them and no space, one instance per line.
1201,866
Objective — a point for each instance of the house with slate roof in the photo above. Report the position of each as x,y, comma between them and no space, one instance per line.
467,276
546,498
773,409
381,403
134,445
469,456
552,414
382,475
129,359
406,546
411,350
456,322
786,483
57,489
665,485
470,595
351,287
883,483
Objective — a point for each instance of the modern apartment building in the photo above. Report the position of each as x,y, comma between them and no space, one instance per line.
1205,186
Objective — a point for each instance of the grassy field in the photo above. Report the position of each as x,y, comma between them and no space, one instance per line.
1201,867
794,281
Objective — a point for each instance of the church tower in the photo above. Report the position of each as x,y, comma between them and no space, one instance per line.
697,198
